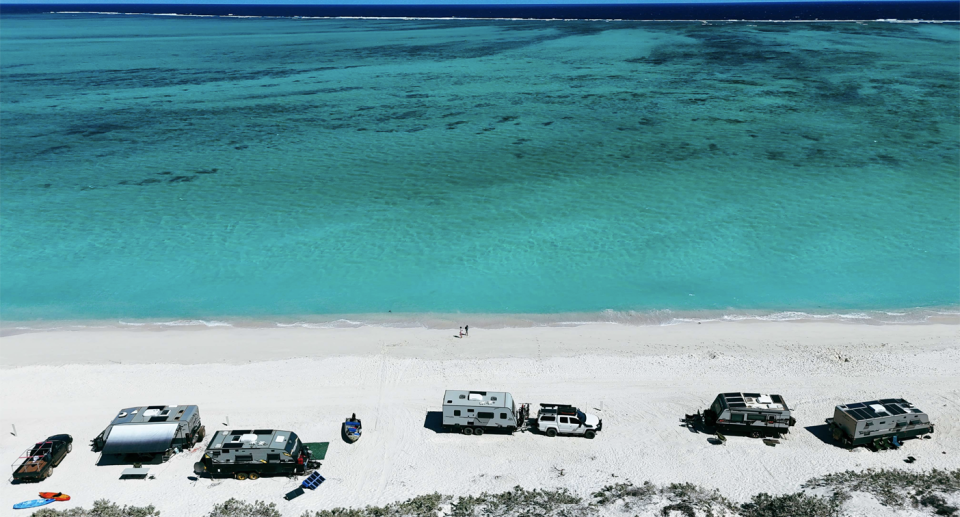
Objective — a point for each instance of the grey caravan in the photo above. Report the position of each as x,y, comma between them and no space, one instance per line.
754,414
474,412
880,424
147,433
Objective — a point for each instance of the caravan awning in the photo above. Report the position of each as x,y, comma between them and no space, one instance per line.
140,438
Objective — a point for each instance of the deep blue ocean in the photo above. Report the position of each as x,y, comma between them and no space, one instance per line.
284,169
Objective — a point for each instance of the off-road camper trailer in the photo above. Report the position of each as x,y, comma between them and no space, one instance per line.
879,423
249,454
753,414
473,412
147,432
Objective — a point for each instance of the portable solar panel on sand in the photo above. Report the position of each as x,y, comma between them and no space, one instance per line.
313,481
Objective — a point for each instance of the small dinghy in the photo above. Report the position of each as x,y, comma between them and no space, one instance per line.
352,428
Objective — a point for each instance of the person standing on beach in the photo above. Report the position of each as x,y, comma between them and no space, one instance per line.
461,332
466,330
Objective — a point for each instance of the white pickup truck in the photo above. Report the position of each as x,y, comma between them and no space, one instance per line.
554,419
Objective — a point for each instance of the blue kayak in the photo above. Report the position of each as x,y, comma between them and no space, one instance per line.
33,503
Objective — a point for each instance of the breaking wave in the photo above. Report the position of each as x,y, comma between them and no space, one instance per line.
490,321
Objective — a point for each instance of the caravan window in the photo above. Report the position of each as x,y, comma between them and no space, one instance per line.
456,412
503,416
484,415
736,417
754,417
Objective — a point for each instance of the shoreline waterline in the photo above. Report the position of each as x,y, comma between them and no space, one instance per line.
438,321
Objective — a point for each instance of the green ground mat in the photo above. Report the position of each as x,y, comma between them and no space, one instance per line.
318,450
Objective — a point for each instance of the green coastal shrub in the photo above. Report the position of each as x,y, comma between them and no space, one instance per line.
420,506
626,493
694,501
896,488
237,508
513,503
922,491
518,501
685,499
792,505
101,508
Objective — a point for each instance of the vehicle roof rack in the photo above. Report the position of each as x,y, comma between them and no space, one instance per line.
561,408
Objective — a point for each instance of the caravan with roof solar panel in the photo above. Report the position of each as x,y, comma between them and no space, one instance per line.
754,414
880,424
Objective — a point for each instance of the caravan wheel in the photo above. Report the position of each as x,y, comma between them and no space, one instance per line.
755,434
254,476
467,430
478,431
240,476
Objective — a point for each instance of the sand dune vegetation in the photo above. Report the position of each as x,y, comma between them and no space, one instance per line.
926,493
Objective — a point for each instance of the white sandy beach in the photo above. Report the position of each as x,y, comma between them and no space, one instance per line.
640,380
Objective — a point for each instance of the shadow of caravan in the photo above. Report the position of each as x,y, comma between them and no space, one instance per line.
434,421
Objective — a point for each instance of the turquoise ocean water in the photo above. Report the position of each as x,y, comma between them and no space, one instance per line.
180,168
